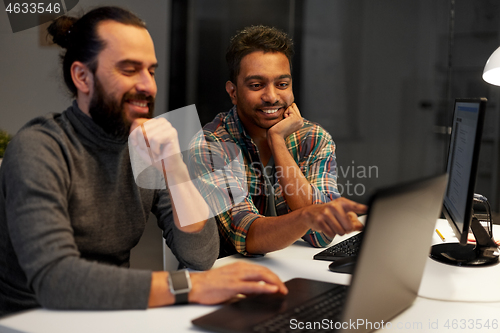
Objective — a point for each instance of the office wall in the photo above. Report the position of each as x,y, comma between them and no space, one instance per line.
366,70
370,77
476,35
379,75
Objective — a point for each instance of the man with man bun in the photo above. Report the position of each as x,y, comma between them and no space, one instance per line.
70,210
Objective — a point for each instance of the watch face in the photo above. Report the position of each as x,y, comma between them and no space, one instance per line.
180,282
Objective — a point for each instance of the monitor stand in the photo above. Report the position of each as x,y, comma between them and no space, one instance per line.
484,252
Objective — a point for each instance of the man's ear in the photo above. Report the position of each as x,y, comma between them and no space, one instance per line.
82,77
231,90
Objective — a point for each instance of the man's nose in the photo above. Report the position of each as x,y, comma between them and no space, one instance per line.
146,84
270,95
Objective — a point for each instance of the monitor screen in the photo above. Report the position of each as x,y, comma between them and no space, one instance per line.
462,164
463,159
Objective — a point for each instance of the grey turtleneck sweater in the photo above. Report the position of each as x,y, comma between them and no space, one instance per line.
70,212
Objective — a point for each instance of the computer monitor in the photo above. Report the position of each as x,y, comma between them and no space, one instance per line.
462,165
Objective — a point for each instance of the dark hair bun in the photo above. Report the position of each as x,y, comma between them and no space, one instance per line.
59,30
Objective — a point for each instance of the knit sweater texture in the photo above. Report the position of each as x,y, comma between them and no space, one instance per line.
70,212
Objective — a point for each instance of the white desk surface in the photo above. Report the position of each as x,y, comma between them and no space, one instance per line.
481,285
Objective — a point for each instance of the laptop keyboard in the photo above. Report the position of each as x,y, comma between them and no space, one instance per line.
346,248
327,306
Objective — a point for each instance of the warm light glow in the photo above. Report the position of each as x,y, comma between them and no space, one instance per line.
491,73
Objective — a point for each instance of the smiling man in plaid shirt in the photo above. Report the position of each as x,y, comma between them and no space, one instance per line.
289,176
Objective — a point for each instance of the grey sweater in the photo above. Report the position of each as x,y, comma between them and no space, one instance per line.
70,212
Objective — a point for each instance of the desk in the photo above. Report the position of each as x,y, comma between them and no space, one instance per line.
426,315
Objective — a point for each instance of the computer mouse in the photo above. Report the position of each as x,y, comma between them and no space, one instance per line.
343,265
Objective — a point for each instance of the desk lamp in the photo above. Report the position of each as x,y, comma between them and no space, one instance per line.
491,73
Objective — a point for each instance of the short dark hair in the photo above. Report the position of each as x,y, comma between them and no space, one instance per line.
256,38
80,39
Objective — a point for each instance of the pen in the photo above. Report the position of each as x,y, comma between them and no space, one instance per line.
440,235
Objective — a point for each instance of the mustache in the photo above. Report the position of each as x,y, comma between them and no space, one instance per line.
277,104
139,97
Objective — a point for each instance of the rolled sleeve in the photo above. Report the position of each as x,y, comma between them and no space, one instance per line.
236,222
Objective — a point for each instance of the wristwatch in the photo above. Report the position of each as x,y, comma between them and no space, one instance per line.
179,283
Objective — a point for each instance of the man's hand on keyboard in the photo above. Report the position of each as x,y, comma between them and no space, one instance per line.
336,217
224,283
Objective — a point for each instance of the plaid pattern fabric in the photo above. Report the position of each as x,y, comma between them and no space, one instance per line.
312,149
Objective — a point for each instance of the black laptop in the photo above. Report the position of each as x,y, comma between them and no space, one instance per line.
386,278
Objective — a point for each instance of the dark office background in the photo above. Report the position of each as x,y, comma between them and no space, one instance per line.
379,75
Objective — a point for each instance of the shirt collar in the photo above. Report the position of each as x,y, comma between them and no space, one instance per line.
236,128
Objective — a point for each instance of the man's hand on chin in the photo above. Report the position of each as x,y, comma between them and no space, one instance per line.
156,141
292,122
138,122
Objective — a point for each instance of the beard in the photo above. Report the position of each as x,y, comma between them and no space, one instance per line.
110,114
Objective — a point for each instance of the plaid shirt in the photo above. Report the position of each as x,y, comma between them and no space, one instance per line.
312,149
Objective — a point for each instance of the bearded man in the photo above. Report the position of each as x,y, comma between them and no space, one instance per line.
70,210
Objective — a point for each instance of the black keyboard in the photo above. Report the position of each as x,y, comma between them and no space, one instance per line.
325,306
347,248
